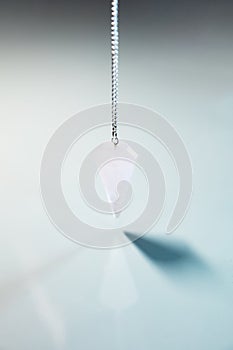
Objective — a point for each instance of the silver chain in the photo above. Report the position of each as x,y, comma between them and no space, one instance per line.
115,51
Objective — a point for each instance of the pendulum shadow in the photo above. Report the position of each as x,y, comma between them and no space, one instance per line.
173,257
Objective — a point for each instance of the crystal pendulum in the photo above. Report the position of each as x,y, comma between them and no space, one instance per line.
116,170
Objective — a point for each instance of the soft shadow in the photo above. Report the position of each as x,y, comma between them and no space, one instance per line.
17,283
174,257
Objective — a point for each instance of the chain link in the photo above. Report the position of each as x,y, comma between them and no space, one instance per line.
115,52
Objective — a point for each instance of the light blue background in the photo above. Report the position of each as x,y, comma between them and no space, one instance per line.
166,292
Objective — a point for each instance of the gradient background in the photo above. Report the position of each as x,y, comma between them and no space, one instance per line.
162,293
